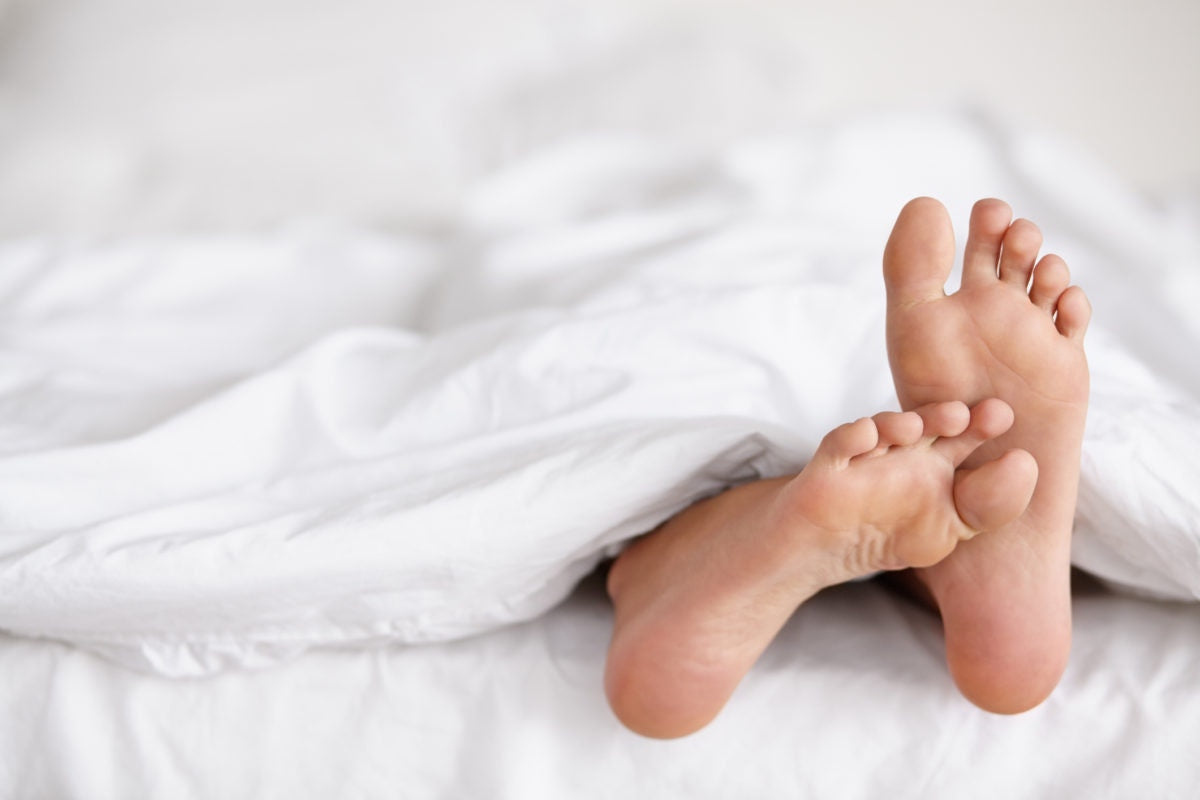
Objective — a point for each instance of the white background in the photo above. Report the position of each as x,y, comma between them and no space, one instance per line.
124,116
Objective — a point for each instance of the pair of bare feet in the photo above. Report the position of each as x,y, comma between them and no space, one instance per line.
973,487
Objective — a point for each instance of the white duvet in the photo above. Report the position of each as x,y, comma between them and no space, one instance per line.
221,452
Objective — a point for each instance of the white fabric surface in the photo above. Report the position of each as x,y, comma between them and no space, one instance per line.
851,701
191,435
223,451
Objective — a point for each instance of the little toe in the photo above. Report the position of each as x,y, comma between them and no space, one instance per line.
919,253
898,428
1074,313
989,222
944,419
1021,245
995,494
849,440
989,419
1050,278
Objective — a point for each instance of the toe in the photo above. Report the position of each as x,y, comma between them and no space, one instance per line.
898,429
944,419
1020,249
847,441
919,253
989,222
995,494
1074,313
1050,278
989,419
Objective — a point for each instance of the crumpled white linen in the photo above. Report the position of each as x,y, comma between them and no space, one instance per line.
220,452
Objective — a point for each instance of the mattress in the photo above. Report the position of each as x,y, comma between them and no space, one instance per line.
852,700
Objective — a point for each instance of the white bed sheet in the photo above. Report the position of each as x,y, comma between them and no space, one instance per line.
851,701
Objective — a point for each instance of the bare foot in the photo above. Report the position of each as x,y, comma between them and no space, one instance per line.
1004,598
699,599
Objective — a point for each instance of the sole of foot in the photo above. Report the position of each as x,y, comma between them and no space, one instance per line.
1014,330
699,599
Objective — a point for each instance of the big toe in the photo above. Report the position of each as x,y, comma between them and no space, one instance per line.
919,253
997,493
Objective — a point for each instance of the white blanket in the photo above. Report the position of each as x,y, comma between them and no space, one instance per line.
222,452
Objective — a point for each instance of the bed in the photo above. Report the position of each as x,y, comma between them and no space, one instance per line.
308,483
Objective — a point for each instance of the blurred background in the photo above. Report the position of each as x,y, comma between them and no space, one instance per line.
132,116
